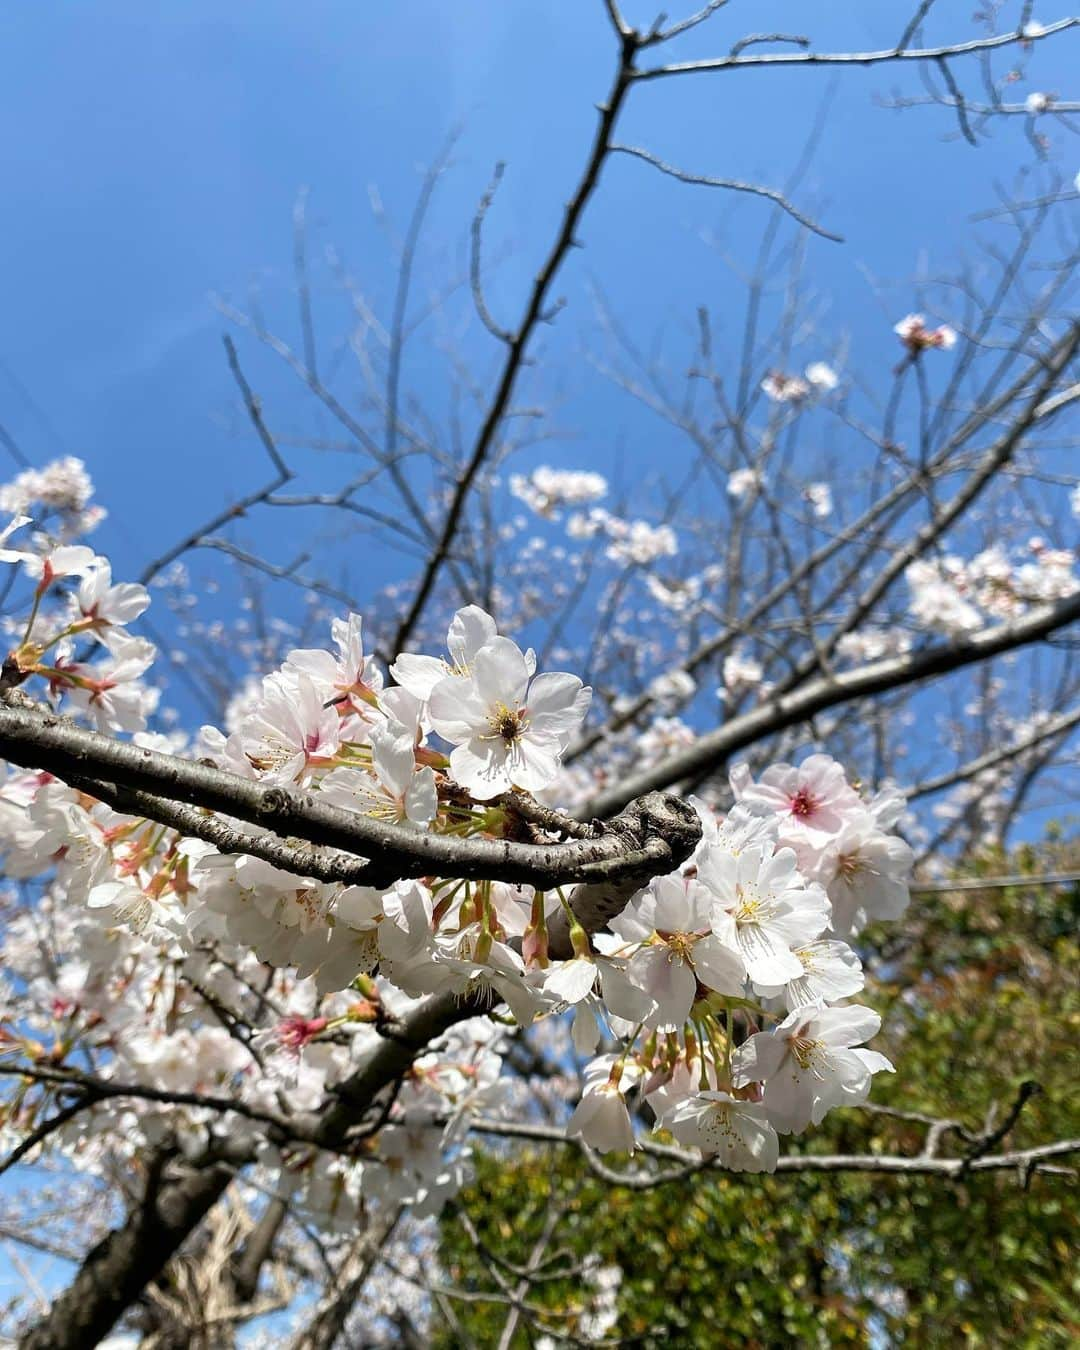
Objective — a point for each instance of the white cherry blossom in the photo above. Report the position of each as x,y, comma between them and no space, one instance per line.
762,909
738,1133
808,1065
865,872
677,949
103,608
291,730
397,790
508,729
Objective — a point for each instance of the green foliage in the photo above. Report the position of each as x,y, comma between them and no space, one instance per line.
979,994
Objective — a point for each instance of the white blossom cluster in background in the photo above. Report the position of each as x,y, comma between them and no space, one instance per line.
956,596
632,541
714,994
546,490
63,489
745,483
820,378
917,336
597,1321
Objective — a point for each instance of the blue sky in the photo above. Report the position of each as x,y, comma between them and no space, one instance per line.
155,152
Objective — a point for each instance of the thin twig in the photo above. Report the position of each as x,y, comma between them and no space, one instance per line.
732,184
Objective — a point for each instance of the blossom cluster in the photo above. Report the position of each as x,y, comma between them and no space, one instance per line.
958,596
545,490
717,985
62,489
818,378
631,541
725,977
913,332
78,610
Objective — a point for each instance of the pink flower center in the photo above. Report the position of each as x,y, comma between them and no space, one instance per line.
295,1032
804,803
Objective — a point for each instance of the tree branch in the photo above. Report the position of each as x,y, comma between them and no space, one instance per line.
689,1163
116,1271
853,58
830,690
535,312
733,184
48,741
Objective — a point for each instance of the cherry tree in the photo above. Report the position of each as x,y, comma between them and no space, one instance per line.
267,980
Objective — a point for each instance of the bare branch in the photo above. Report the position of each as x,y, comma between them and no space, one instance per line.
996,883
658,34
854,58
754,39
916,23
689,1163
240,507
536,309
734,184
476,235
1054,726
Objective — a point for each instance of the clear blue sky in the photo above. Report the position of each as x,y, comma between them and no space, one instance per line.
154,154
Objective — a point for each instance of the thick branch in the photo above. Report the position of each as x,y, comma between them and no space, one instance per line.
249,1260
116,1271
50,742
596,904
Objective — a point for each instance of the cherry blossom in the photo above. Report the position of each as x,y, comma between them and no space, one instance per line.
292,730
783,388
762,909
397,790
103,608
916,337
865,872
469,630
812,801
808,1065
13,555
744,483
737,1132
745,929
545,489
819,496
350,676
676,949
111,692
508,729
601,1118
